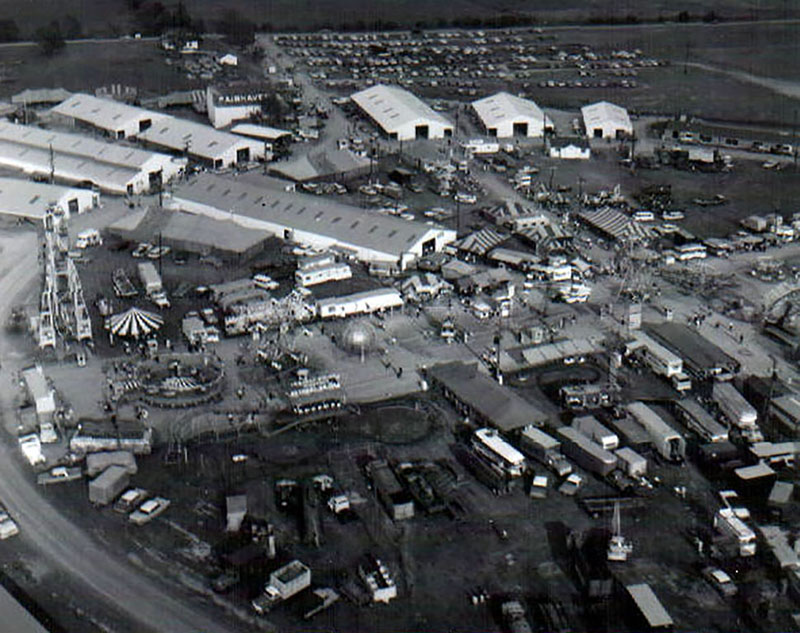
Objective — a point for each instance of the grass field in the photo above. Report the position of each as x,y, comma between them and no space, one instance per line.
102,16
87,65
760,49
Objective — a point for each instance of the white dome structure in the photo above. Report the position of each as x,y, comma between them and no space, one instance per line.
359,336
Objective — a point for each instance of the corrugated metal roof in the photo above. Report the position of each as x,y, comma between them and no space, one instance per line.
105,114
28,198
259,131
346,224
500,406
68,167
75,145
392,107
203,140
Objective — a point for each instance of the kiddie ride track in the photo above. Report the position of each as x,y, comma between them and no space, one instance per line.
172,381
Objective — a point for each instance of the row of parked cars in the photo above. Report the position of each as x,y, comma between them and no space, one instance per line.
140,509
150,251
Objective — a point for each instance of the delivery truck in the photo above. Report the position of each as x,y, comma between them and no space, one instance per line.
104,488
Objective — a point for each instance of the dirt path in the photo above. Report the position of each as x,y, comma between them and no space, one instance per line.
781,86
142,599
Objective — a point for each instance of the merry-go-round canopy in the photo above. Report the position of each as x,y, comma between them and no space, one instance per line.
134,322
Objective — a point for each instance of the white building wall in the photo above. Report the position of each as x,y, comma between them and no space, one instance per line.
171,166
315,240
570,152
408,131
87,199
505,129
225,115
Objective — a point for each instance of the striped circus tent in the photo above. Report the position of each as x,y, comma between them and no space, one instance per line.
134,322
481,242
614,224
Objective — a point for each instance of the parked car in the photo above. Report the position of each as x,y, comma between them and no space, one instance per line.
571,485
141,250
721,581
149,510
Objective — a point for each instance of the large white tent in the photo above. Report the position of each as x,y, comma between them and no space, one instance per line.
606,120
134,322
505,115
400,114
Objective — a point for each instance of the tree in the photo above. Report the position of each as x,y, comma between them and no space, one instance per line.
8,31
237,29
49,38
72,27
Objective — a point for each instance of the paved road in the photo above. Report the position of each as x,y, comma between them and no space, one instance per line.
142,599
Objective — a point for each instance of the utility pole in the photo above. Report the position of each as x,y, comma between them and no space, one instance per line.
160,257
52,165
686,59
794,139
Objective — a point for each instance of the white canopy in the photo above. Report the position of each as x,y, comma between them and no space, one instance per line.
134,322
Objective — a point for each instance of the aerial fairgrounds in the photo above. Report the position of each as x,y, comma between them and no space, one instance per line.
310,370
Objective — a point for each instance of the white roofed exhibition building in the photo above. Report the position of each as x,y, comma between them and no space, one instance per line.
28,199
606,120
75,158
504,115
304,219
117,120
400,114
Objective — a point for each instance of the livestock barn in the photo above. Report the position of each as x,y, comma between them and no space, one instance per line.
401,115
504,115
606,120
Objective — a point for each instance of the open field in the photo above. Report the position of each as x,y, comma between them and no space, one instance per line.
760,49
102,17
88,65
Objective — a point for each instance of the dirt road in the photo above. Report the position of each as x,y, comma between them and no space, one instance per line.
139,598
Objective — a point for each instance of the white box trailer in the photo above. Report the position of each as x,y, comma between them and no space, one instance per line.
591,427
667,441
105,487
98,462
660,360
151,280
631,462
697,419
739,412
727,523
545,449
494,448
586,453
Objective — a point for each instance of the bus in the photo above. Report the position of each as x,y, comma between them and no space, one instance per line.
662,361
697,419
489,445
